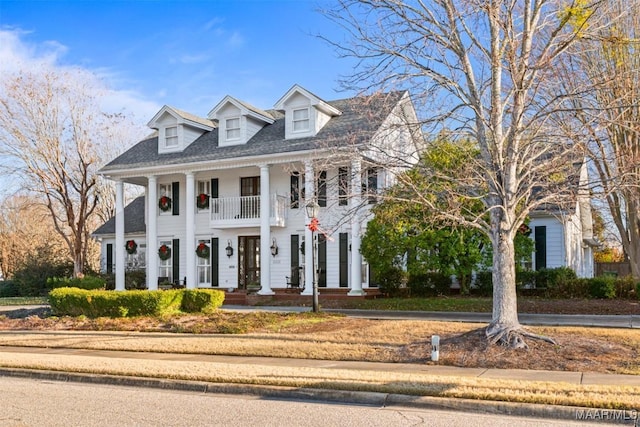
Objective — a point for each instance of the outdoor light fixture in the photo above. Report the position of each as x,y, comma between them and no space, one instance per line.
313,209
274,247
229,248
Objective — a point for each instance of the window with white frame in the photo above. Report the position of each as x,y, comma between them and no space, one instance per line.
137,260
203,187
300,120
171,137
232,127
203,265
165,267
164,190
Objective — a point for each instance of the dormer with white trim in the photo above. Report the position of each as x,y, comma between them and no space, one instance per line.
178,129
305,113
238,121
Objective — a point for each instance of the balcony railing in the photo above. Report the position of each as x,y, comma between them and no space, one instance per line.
227,212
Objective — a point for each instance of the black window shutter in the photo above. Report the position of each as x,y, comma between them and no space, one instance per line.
322,260
176,260
295,259
372,184
344,260
109,258
295,190
343,186
540,234
175,193
322,189
215,261
214,188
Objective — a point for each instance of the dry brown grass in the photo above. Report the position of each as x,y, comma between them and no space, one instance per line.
339,338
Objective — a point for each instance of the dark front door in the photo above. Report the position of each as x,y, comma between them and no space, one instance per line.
249,261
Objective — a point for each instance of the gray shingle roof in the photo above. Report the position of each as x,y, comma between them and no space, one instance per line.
133,219
361,116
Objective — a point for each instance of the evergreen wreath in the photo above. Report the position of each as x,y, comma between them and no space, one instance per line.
164,203
203,250
524,229
131,246
164,252
202,201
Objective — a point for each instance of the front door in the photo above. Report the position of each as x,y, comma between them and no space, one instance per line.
248,261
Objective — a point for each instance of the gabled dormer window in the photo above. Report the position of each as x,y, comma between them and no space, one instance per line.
232,127
300,120
171,137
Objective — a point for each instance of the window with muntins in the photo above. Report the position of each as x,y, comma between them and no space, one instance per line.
343,186
165,190
203,187
165,267
232,128
171,137
300,120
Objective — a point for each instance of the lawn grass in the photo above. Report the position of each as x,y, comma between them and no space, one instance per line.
24,301
453,304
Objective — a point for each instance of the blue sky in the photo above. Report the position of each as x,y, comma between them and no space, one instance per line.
187,54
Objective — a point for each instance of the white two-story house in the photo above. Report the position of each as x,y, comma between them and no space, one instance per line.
224,197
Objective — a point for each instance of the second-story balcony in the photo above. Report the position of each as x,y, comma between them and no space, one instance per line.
231,212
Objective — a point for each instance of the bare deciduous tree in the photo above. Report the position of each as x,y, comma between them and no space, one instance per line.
487,71
609,118
51,124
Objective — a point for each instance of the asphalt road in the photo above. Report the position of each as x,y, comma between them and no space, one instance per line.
30,402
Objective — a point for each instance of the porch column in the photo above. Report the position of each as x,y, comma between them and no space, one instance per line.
191,231
120,257
265,232
309,192
152,233
356,200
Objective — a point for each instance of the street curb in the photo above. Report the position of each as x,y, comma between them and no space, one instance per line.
328,395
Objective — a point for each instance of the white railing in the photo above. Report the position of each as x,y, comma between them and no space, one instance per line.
245,211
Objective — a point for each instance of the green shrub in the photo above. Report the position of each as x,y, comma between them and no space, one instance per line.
559,283
390,281
602,287
31,279
87,282
638,290
526,279
429,284
484,283
201,300
9,288
98,303
626,287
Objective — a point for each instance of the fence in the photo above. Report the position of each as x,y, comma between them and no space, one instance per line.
619,269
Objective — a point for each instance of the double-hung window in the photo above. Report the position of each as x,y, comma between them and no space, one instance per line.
204,188
232,128
301,120
165,191
171,137
203,265
166,266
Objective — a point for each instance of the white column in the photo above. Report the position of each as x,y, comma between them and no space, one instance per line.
152,233
265,232
309,189
191,231
120,257
356,200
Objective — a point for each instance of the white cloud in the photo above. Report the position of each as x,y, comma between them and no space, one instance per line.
236,40
17,53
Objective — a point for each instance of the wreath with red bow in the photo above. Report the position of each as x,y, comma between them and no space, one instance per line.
131,246
164,203
164,252
525,230
203,250
202,201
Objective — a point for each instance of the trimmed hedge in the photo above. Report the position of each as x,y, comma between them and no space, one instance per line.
201,300
102,303
86,282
